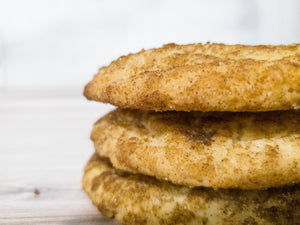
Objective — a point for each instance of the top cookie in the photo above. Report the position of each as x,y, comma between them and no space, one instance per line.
202,77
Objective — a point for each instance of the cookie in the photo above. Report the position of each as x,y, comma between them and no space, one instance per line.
138,199
212,149
202,77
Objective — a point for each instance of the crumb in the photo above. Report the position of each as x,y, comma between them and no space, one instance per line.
36,191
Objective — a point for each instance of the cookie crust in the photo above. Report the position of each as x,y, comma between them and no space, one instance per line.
138,199
202,77
212,149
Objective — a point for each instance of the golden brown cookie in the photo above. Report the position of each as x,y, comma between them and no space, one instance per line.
138,199
202,77
218,150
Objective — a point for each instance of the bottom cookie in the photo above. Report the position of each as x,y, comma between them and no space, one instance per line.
140,199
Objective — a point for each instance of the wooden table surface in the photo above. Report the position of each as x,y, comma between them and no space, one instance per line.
44,145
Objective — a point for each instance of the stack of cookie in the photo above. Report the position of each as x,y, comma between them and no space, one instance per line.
205,134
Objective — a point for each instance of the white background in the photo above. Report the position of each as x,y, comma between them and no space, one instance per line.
61,43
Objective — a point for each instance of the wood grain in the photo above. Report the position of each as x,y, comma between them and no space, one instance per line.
44,145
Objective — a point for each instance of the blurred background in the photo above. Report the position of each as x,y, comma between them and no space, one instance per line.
49,49
61,43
